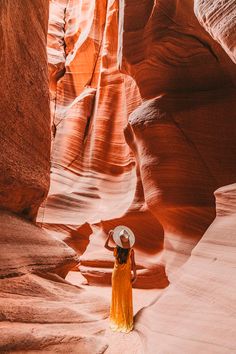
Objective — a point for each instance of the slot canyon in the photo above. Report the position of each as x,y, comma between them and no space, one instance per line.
118,112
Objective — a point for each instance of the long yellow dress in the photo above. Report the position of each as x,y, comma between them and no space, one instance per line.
121,310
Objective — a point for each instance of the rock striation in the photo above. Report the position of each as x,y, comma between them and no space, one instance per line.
39,310
195,314
27,248
92,166
187,83
24,108
184,144
219,19
142,132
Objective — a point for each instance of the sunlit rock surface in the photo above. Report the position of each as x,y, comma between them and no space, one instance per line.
196,313
92,175
218,17
39,310
183,136
188,84
157,175
27,248
42,312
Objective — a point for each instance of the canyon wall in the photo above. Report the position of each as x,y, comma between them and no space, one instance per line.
92,166
94,184
185,129
38,308
219,19
24,109
196,313
184,134
188,84
156,172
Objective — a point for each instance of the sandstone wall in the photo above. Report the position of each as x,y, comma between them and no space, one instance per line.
184,132
38,308
24,109
194,315
219,19
92,166
184,147
156,174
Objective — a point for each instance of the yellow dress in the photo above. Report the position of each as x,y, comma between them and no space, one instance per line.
121,310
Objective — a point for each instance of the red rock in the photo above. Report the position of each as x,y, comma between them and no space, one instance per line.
24,108
157,174
184,145
219,19
177,141
166,50
27,248
195,313
38,309
43,312
92,165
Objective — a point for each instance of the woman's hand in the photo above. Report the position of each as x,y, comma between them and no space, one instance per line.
110,233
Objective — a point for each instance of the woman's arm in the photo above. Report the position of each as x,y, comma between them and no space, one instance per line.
133,267
110,233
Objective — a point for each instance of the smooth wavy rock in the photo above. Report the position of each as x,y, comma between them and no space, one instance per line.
196,313
27,248
42,312
92,165
166,50
24,108
96,263
178,139
38,312
218,17
183,134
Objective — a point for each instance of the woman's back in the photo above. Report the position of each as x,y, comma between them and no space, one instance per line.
121,312
122,266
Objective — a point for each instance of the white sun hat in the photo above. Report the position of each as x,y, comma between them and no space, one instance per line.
118,231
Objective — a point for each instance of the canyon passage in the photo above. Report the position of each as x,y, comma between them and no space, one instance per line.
118,113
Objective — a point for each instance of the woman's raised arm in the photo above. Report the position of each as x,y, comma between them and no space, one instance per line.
110,233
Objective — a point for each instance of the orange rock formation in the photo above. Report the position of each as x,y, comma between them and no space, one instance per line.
143,133
218,18
39,310
24,109
185,145
195,314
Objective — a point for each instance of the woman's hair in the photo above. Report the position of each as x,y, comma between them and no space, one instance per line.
122,254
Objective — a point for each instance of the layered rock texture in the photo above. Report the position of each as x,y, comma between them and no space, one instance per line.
184,145
142,132
93,173
184,137
24,108
92,166
219,19
196,314
39,310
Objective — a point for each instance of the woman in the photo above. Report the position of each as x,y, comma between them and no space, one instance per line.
121,311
